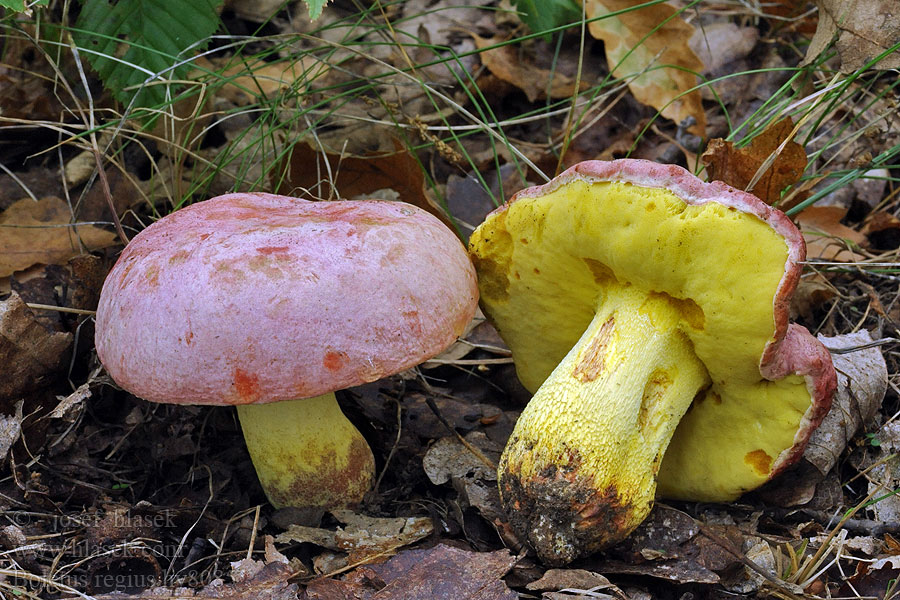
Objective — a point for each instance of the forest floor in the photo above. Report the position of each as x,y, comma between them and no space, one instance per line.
451,108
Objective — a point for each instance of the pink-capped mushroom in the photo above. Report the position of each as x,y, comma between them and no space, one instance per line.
270,304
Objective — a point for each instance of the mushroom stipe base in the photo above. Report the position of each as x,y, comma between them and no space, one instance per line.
306,453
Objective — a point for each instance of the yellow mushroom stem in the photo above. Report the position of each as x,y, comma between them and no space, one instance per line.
307,453
579,471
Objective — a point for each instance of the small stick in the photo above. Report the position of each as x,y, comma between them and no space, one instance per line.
65,309
253,533
478,453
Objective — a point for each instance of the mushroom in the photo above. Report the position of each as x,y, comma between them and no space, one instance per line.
272,303
631,293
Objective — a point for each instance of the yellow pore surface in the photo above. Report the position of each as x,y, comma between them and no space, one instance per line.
545,266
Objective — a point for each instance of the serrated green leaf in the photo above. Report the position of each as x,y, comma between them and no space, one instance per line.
543,15
315,8
18,6
154,35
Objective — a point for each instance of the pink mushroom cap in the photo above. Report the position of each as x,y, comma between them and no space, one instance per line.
253,298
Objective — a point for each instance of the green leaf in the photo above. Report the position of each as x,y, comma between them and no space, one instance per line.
542,15
155,35
315,8
19,5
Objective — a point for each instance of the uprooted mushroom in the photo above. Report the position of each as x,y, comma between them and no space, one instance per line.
630,294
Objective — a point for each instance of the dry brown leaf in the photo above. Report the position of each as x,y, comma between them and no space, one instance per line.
719,45
882,229
507,64
792,15
37,182
439,572
581,579
463,415
252,82
468,200
28,82
357,177
872,580
636,52
67,404
247,82
29,353
270,581
885,477
668,545
738,166
24,97
10,429
862,382
41,232
864,28
94,205
448,459
362,536
813,290
826,237
80,167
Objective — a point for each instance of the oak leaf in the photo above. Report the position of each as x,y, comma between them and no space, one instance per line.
738,166
396,175
505,63
31,355
42,233
864,29
826,237
649,48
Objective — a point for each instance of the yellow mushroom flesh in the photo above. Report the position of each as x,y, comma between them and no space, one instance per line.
621,304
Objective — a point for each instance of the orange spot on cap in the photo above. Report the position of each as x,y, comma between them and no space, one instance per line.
152,275
246,385
333,360
273,249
